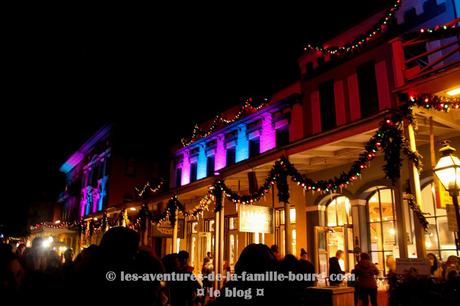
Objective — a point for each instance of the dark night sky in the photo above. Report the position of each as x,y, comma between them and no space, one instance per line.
69,73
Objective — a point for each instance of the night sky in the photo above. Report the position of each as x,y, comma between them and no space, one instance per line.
69,73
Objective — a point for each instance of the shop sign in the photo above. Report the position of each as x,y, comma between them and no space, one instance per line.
416,266
165,230
255,219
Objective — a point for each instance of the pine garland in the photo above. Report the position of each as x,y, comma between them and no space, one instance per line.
416,209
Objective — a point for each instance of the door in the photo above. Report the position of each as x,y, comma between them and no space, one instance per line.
328,241
204,245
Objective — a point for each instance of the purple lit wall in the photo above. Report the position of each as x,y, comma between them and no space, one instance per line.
96,197
186,168
83,203
268,134
221,154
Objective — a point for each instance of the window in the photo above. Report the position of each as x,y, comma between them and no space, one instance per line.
210,166
231,240
327,105
382,231
340,237
439,239
338,212
282,136
193,172
254,147
368,95
280,229
192,240
231,156
178,177
130,167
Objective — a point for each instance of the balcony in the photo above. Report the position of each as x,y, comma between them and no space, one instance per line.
426,53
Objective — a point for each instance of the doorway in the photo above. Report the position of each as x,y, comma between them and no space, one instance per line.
328,240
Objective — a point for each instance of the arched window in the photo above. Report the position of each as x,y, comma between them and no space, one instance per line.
338,212
439,239
382,227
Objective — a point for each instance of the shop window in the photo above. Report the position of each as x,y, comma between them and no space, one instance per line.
280,231
382,227
439,240
231,240
339,212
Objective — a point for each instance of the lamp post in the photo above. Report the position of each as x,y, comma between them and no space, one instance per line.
448,172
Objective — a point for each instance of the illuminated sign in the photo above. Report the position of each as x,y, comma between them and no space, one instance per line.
165,230
255,219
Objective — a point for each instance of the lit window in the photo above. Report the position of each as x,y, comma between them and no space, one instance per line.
382,227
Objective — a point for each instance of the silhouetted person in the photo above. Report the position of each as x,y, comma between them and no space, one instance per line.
335,271
12,274
68,256
183,261
254,259
306,267
276,252
366,271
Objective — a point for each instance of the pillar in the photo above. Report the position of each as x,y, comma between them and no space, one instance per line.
219,244
400,224
288,229
186,168
268,133
414,180
202,162
221,154
359,219
315,217
298,199
296,125
242,144
174,236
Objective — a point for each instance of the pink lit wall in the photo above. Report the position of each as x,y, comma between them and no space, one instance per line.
186,168
221,154
268,133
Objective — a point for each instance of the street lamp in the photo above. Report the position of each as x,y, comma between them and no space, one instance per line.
448,172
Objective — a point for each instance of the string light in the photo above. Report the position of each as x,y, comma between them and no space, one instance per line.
220,121
363,39
388,139
141,191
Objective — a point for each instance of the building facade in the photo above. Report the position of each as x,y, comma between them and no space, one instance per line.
322,124
100,180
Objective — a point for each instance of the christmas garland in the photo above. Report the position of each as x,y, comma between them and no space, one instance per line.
416,209
388,139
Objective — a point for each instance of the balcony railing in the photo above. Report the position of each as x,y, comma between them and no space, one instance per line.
425,55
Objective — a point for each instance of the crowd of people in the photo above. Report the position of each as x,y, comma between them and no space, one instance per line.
31,274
